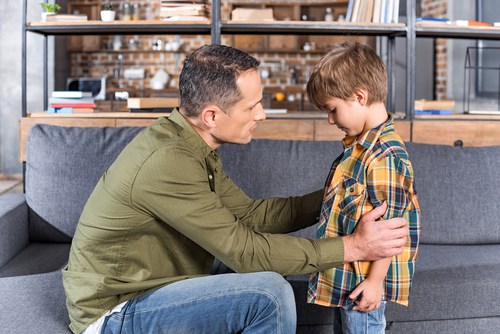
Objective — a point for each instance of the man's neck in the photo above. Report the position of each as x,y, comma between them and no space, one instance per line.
199,127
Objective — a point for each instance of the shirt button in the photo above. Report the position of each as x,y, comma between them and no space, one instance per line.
351,190
213,153
210,177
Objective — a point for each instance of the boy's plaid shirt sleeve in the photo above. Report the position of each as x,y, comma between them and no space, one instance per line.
371,171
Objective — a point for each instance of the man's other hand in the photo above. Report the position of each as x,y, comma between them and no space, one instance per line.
373,240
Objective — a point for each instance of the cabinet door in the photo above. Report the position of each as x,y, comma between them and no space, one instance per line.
283,43
249,42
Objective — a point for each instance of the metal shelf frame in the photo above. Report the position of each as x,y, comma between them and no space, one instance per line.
216,28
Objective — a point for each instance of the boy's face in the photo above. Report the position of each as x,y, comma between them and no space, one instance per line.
349,116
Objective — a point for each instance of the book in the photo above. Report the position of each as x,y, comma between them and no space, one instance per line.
434,112
388,11
395,11
66,17
54,100
430,21
383,9
152,102
376,11
73,105
184,18
168,13
434,105
482,112
369,10
469,23
68,110
348,14
361,12
153,110
71,94
355,11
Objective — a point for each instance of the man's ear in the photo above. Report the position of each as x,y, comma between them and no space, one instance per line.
209,116
361,95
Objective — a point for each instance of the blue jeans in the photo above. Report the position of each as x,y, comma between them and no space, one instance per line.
348,321
230,303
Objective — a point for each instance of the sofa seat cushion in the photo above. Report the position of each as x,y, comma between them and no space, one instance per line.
35,304
37,258
451,282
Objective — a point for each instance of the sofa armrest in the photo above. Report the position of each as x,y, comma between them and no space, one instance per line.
13,226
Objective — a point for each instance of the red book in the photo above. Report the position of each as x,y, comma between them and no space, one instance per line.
73,105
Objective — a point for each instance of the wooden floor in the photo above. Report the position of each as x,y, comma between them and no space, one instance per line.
11,184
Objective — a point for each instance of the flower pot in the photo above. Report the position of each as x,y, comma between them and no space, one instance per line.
45,14
108,15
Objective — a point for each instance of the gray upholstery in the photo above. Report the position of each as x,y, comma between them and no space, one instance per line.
63,166
458,191
457,276
13,226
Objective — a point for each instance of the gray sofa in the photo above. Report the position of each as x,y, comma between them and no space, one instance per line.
458,274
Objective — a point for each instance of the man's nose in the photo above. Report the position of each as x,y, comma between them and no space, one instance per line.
261,115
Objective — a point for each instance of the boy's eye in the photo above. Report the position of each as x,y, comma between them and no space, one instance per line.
333,110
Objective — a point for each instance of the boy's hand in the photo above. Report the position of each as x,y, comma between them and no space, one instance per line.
371,291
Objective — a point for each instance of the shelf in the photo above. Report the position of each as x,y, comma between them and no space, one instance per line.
141,27
312,28
445,31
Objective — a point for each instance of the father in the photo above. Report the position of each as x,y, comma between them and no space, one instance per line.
146,240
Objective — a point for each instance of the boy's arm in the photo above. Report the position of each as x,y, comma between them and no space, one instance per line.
390,180
372,287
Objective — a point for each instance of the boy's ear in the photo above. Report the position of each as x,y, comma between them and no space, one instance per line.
361,96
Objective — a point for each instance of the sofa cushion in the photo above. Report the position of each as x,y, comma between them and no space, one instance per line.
33,304
63,166
279,168
451,282
458,192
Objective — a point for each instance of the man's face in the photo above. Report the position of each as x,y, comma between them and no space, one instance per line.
239,125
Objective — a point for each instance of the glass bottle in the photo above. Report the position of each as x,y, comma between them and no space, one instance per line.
329,15
126,12
137,12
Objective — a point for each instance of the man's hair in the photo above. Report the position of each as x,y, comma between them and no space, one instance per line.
209,77
346,68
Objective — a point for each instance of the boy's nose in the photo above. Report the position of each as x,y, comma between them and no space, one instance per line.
331,120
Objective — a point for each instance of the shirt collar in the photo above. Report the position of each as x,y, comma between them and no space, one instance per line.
369,139
188,133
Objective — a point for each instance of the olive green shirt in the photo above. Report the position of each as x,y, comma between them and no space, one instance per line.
161,213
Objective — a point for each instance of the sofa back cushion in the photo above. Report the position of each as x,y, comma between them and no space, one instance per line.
63,166
458,191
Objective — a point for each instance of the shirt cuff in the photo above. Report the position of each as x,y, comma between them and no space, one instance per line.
331,253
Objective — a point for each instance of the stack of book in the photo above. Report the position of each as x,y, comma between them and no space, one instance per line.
67,102
376,11
427,107
181,10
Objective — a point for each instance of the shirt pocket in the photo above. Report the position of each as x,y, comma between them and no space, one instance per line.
354,192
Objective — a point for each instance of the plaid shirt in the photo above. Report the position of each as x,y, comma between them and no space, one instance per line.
373,169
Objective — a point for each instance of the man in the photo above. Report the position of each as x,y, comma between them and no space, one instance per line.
146,241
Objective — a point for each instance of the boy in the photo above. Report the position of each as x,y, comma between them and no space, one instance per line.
350,83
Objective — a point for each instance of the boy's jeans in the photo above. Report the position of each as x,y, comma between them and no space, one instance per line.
230,303
348,321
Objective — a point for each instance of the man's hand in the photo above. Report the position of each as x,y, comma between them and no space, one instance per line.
373,240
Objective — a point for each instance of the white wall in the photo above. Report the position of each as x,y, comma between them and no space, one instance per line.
10,77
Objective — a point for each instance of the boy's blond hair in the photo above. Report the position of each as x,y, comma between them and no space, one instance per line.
346,68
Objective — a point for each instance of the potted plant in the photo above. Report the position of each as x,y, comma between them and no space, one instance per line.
50,9
108,14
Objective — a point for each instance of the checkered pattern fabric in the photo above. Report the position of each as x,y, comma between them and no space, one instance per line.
372,169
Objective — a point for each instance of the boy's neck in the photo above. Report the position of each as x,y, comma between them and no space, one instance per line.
377,114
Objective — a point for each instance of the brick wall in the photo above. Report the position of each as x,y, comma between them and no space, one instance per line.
438,9
97,64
